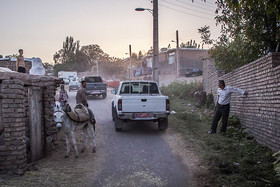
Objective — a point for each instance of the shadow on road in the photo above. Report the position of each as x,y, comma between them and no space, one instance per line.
141,128
95,98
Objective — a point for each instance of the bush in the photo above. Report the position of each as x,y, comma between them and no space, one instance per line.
181,90
233,121
277,163
210,101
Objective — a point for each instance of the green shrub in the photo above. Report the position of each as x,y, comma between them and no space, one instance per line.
277,163
233,121
181,90
210,101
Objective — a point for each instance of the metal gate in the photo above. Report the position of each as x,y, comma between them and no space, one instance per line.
35,123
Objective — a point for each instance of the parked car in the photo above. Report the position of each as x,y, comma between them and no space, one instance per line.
95,86
74,85
193,72
140,101
66,81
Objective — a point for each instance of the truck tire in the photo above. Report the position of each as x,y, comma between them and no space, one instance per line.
104,95
163,124
113,113
118,124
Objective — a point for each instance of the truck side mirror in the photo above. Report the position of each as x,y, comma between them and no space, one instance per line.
114,92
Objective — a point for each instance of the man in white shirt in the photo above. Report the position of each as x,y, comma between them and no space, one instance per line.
223,106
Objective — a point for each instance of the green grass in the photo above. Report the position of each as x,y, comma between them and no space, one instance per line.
233,159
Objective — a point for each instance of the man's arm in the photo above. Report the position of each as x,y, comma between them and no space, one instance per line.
238,90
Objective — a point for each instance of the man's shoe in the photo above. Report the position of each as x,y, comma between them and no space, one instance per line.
211,132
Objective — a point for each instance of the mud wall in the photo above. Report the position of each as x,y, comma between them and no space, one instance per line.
260,111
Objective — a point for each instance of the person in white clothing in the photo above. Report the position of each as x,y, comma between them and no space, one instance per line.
223,105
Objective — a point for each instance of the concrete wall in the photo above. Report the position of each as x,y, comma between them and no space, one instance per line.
260,111
188,58
16,121
191,58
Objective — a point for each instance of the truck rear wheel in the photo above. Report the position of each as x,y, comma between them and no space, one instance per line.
163,124
118,124
113,113
104,96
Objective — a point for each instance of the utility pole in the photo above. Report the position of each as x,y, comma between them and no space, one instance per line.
130,63
155,41
177,54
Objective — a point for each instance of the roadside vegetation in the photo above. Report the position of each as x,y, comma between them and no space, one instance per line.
233,159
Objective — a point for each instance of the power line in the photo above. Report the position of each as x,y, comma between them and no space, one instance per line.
193,5
186,8
185,12
205,3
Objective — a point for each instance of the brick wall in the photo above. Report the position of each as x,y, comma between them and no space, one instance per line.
14,117
12,65
12,149
260,111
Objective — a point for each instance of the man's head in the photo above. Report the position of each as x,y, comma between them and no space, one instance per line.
20,51
84,83
222,84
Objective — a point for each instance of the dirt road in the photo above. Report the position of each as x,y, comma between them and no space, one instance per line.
141,155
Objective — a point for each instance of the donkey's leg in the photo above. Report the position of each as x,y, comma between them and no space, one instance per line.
85,129
74,143
93,137
67,146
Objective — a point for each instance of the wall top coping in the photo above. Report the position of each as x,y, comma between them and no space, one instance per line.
27,78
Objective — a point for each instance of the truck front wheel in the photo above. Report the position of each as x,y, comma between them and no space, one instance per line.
163,124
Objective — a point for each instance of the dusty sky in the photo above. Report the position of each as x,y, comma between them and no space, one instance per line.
40,26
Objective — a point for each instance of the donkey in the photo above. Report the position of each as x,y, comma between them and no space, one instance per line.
68,126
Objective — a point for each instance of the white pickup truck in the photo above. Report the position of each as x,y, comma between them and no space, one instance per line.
139,101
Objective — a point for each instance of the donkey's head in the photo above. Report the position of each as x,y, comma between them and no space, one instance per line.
58,118
56,106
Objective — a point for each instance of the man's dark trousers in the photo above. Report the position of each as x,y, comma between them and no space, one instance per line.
222,111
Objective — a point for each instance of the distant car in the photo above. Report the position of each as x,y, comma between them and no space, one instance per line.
66,81
74,85
193,72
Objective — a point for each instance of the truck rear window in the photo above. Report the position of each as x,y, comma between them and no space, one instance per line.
139,88
93,79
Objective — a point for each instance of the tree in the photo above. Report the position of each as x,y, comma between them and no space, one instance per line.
133,56
140,54
205,35
249,30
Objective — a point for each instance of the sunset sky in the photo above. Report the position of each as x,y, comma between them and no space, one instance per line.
40,27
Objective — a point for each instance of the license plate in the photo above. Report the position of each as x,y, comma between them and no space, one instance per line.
95,91
144,115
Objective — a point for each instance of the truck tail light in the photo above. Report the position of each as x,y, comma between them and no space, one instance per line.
167,105
119,104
